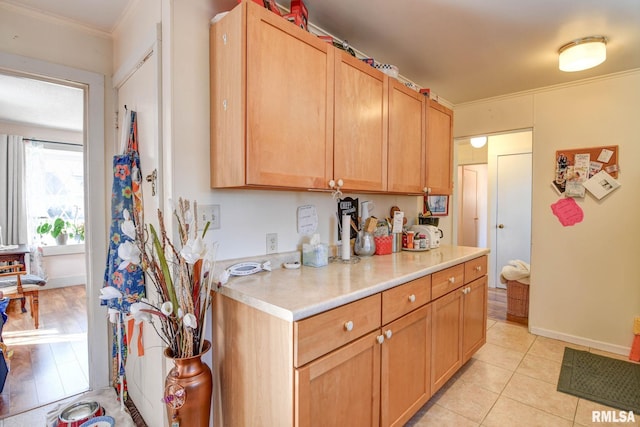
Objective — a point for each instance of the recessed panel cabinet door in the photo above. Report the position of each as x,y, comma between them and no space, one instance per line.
289,104
439,148
406,139
341,388
446,339
406,365
474,331
360,136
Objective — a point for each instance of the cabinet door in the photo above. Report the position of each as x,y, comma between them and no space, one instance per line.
341,388
406,164
446,339
474,329
288,102
360,134
439,148
406,367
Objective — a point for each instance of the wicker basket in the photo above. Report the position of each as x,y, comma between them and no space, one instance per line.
517,299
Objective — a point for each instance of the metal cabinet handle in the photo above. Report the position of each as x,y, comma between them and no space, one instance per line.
388,334
412,298
452,279
478,268
380,339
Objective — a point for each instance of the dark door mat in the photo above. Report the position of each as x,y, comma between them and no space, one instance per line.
601,379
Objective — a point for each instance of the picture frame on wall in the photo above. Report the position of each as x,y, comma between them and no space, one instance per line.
438,205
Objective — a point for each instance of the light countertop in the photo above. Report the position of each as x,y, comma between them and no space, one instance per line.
296,294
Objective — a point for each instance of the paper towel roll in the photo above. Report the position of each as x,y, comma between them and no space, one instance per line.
346,237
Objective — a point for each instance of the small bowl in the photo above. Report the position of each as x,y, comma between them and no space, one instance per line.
103,421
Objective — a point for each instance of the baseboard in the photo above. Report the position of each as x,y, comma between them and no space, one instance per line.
599,345
63,282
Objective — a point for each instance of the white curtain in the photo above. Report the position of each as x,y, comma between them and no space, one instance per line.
13,217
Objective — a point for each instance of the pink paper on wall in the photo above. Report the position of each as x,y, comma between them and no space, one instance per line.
567,211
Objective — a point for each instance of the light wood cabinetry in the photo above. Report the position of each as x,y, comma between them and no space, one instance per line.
474,328
289,111
439,142
459,318
446,338
271,103
406,367
318,335
341,388
372,362
406,165
360,135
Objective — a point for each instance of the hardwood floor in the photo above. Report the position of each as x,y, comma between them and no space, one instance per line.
49,363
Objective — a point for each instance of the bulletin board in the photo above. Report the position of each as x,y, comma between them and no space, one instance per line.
594,153
573,167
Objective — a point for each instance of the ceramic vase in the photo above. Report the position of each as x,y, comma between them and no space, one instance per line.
188,389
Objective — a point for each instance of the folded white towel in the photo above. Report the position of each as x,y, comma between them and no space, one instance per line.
516,270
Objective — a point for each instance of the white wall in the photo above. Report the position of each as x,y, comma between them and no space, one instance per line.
583,288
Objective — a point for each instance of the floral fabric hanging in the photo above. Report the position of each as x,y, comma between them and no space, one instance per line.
126,277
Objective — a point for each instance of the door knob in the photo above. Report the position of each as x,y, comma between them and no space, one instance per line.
500,225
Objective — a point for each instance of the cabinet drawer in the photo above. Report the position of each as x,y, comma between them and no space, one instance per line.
475,268
402,299
447,280
327,331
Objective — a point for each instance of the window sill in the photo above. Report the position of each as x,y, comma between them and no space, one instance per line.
63,249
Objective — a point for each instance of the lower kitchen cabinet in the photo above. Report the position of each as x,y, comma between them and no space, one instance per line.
341,388
474,328
446,338
406,367
372,362
459,329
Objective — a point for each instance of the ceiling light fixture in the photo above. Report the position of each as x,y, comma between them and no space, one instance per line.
478,141
582,54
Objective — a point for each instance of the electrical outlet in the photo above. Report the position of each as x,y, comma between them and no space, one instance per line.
272,243
211,214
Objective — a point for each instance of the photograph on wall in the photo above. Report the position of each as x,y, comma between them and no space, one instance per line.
438,205
601,184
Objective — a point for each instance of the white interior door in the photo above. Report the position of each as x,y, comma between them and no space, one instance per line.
469,207
513,213
139,90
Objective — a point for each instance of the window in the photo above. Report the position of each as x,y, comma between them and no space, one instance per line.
55,189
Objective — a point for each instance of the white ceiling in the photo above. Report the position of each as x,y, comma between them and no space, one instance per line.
463,50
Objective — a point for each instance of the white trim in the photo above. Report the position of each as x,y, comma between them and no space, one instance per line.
56,250
63,282
599,345
96,241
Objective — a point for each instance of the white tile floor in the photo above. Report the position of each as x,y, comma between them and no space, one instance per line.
511,381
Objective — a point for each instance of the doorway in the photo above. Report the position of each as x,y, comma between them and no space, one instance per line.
93,136
500,173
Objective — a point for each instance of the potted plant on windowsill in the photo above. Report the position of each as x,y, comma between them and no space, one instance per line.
59,230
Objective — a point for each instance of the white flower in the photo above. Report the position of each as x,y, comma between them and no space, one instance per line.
194,250
129,253
137,310
166,308
113,315
127,227
190,321
180,313
109,292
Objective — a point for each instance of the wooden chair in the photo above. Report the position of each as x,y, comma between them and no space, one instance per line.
16,283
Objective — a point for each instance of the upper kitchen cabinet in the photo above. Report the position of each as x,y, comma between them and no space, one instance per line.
439,176
360,120
271,103
406,165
